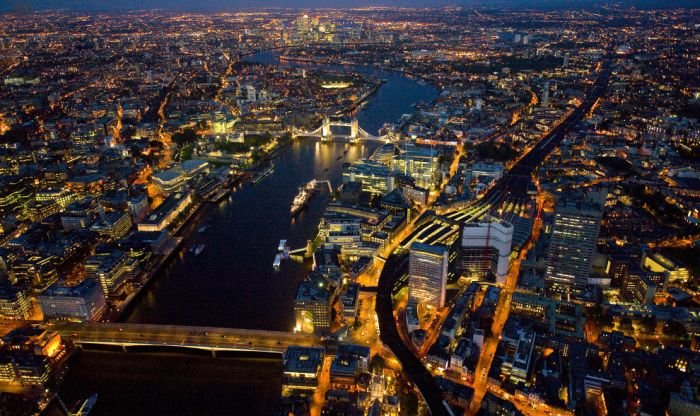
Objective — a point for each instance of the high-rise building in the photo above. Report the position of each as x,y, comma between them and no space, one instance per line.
427,275
545,94
573,241
486,248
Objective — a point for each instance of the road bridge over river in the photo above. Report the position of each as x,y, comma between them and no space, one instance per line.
186,337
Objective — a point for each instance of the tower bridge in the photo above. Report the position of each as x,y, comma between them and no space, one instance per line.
357,133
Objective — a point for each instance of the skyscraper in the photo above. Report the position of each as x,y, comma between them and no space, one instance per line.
486,247
573,241
427,273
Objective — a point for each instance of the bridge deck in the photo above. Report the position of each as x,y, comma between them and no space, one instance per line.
208,338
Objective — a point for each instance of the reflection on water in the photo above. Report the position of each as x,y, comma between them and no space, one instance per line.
171,384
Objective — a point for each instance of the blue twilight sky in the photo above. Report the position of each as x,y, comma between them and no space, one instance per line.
214,5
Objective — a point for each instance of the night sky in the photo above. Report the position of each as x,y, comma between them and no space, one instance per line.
215,5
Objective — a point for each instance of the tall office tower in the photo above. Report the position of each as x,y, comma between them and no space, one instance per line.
427,273
251,94
486,248
545,94
573,241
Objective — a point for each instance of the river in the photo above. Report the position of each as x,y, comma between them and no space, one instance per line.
232,282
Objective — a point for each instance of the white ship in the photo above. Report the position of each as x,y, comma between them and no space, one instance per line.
302,198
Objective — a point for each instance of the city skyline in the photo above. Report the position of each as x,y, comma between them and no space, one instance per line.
232,5
385,211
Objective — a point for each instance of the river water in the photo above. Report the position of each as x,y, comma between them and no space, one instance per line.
232,282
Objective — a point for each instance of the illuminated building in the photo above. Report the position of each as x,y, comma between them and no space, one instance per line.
456,394
34,339
302,368
111,270
26,354
173,179
573,242
62,197
169,180
427,275
113,225
251,95
518,365
556,317
618,268
312,306
79,214
486,248
350,301
37,211
641,286
166,212
39,271
86,185
349,362
14,195
656,262
24,368
419,163
374,177
137,206
85,302
412,321
14,303
464,357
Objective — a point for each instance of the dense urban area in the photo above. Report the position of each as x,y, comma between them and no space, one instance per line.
525,242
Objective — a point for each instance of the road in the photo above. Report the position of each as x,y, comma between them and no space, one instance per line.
413,368
219,339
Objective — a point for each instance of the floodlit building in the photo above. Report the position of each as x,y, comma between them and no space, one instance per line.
486,248
312,307
573,242
427,275
374,176
166,212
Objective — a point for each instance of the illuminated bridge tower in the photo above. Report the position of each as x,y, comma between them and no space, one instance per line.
326,133
354,130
